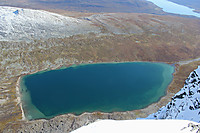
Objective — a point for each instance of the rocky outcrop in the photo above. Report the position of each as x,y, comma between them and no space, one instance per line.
185,104
68,122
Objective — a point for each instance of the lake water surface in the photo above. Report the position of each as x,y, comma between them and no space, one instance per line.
171,7
106,87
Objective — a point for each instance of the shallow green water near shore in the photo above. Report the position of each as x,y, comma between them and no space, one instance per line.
105,87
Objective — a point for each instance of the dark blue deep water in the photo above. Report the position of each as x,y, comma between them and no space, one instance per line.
106,87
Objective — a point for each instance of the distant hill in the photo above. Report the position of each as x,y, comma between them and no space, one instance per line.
126,6
195,4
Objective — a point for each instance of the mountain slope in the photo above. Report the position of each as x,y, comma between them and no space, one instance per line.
88,5
185,104
19,24
27,24
192,3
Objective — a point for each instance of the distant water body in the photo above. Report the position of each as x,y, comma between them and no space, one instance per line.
171,7
105,87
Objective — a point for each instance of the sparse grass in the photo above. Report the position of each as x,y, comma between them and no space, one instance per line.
181,75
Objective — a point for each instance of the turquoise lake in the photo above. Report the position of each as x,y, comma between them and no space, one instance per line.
104,87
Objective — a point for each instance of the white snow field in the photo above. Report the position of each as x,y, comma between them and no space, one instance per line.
138,126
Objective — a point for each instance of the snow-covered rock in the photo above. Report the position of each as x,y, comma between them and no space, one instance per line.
26,24
185,104
139,126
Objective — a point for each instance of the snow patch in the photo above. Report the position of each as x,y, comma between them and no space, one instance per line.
137,126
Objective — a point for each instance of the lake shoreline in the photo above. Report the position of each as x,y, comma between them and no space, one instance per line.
72,65
18,95
148,109
70,122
